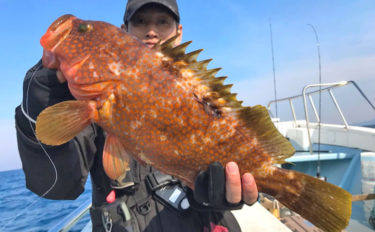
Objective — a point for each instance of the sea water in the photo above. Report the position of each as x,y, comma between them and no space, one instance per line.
22,210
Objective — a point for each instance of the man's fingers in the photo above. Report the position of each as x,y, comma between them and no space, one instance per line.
60,76
233,183
250,190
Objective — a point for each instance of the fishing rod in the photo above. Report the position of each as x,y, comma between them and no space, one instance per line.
273,67
320,97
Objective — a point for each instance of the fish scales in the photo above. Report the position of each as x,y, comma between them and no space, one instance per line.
156,121
165,109
158,103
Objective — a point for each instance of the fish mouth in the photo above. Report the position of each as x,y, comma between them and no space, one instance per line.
57,32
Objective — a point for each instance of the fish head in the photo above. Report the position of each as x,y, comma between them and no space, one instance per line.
83,50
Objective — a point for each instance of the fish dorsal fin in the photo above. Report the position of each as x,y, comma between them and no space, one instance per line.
178,51
192,56
256,119
198,66
168,44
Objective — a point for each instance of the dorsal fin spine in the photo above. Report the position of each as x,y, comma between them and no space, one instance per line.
169,43
199,66
192,56
208,74
178,51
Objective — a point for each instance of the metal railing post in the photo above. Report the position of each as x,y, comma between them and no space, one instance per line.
313,106
338,108
293,112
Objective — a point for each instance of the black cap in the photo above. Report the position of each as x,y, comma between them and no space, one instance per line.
133,5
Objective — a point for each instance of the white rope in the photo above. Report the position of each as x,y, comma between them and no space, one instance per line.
26,115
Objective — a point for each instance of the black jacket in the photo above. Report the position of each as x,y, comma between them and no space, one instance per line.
82,155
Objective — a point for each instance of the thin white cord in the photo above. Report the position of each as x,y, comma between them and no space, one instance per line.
26,115
41,145
31,120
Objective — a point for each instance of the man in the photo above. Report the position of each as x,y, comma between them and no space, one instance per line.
141,202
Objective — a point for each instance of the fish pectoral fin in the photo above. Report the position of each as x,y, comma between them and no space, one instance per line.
59,123
115,158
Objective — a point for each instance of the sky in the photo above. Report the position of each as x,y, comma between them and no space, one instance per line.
236,34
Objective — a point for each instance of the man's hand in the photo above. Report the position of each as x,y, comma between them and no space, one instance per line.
221,188
237,190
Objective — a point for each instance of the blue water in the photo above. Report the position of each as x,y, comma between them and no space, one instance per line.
22,210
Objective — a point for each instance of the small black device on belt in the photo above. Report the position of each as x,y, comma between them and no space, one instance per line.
168,190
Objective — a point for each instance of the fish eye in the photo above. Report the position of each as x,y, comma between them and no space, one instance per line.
84,27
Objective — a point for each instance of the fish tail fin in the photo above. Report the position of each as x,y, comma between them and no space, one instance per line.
325,205
59,123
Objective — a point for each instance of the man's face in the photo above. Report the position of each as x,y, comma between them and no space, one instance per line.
153,23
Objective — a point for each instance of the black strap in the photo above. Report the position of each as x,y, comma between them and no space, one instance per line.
156,180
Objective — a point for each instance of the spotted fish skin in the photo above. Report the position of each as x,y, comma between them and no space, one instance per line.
150,105
165,109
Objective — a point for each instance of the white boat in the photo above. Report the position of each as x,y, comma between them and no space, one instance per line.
346,157
343,154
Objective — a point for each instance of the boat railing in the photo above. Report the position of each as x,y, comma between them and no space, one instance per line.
70,220
324,87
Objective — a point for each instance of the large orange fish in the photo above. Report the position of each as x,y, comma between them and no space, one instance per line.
164,108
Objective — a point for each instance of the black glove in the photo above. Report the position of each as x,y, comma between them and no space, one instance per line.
209,191
40,90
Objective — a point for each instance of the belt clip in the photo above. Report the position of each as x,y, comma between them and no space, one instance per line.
107,221
144,208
